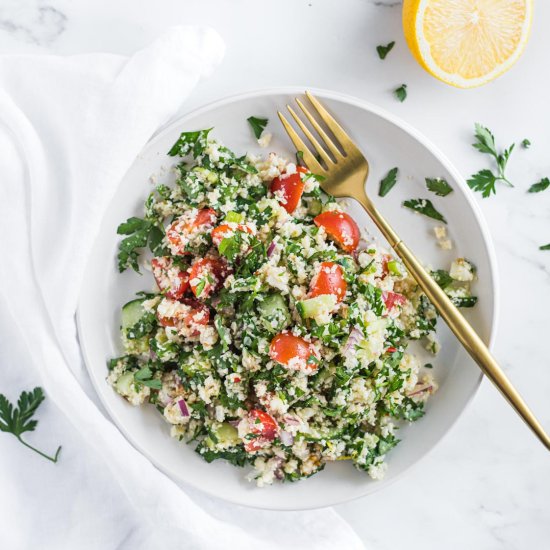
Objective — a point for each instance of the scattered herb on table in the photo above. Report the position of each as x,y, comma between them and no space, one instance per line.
387,183
428,366
526,144
542,185
258,125
545,247
17,420
383,51
439,186
484,181
425,207
401,92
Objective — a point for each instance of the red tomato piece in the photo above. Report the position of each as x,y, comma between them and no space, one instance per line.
187,315
293,352
170,278
180,232
329,279
289,189
263,426
206,276
391,349
393,299
341,227
226,230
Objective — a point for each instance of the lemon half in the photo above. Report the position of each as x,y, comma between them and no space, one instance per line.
467,43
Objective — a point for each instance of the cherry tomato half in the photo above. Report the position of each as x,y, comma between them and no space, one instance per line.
261,425
293,352
289,189
206,276
329,279
170,278
392,299
187,316
181,230
341,227
226,230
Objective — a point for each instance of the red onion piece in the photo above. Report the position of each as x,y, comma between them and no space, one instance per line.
354,338
420,388
286,438
291,420
183,407
271,249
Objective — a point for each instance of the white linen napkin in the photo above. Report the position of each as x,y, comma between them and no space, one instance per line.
70,127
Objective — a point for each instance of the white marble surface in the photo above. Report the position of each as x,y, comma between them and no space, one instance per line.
486,485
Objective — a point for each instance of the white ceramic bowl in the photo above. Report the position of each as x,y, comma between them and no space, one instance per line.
386,142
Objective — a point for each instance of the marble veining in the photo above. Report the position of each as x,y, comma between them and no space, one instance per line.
32,21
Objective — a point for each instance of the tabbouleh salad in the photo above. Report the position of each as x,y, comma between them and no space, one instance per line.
276,335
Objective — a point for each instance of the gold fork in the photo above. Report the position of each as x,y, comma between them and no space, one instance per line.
345,170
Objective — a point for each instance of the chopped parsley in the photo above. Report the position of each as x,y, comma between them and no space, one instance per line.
401,93
542,185
144,376
258,125
545,247
439,186
387,183
526,143
425,207
484,181
383,51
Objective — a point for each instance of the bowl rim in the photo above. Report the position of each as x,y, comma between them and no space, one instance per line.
441,157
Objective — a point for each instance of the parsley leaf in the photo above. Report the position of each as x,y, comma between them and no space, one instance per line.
442,278
383,51
424,206
543,184
144,376
188,142
18,420
526,144
439,186
140,232
388,182
545,247
258,125
484,180
401,92
464,301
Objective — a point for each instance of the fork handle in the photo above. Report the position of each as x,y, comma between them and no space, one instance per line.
458,324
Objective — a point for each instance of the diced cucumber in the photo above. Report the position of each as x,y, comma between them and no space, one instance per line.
316,308
132,312
315,206
393,268
124,383
207,174
223,436
274,312
235,217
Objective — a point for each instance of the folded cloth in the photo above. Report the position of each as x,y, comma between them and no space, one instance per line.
70,127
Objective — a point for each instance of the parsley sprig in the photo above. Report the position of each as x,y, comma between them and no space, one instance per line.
387,183
425,207
17,420
484,181
439,186
541,185
383,51
258,125
401,93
